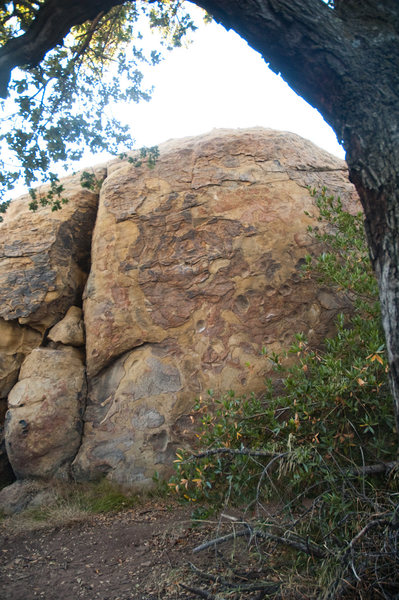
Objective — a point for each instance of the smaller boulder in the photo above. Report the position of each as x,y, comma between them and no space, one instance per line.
16,342
44,422
22,495
70,330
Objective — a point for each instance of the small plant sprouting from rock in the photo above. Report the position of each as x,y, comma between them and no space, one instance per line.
3,208
90,181
149,156
320,445
53,197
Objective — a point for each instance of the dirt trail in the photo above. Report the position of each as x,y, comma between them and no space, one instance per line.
139,554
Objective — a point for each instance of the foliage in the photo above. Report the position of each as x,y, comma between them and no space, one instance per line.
312,436
150,154
90,181
62,107
335,406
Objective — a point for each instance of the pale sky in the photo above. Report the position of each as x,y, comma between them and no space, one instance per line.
219,81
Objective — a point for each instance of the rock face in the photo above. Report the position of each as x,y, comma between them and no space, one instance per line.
45,257
44,262
44,421
195,265
132,408
16,342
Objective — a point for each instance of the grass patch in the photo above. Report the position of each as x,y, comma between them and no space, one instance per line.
68,503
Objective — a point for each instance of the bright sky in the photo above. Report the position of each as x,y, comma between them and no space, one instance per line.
219,81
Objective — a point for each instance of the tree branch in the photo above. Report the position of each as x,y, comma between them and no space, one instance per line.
373,469
52,23
297,543
237,452
198,592
270,586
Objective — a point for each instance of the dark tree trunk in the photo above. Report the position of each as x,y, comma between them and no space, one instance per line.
53,22
344,61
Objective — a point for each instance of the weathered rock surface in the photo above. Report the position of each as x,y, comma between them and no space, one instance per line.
16,342
70,330
195,267
6,472
44,262
45,257
44,422
131,408
22,495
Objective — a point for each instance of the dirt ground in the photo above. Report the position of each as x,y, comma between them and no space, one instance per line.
138,554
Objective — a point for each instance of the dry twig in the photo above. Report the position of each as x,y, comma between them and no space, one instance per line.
297,543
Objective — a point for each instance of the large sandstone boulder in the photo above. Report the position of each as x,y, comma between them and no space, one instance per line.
45,256
195,267
44,421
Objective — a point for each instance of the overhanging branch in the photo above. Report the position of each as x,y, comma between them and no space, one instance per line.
52,23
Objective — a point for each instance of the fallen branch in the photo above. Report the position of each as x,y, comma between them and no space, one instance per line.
374,469
306,546
340,583
235,452
382,522
221,540
198,592
271,587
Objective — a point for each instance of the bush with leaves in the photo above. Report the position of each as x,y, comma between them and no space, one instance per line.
323,434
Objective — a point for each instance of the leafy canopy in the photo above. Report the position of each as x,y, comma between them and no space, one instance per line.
62,107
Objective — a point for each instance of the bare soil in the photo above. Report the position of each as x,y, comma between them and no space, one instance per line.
138,554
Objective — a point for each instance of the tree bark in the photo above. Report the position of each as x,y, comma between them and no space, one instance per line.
343,61
53,22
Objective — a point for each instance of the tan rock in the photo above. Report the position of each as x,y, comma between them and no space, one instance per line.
43,424
16,342
218,216
131,406
44,256
6,473
70,330
196,267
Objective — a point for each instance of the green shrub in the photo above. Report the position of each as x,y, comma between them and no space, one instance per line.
322,434
334,411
